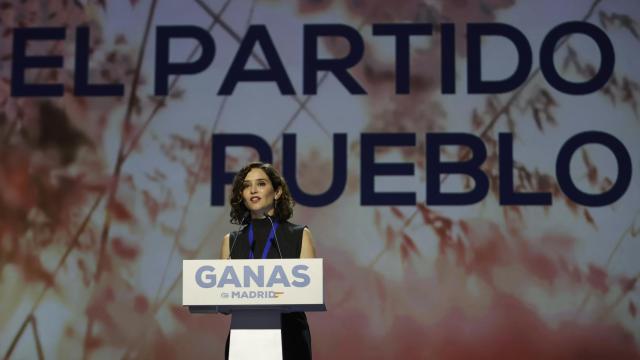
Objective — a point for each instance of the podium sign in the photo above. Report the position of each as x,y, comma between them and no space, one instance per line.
215,285
256,292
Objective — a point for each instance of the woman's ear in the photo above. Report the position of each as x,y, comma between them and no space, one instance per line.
278,193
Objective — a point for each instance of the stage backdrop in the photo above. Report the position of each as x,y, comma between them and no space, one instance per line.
102,197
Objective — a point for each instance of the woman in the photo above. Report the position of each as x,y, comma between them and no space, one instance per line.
261,201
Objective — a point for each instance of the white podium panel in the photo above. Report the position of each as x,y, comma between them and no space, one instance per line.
253,330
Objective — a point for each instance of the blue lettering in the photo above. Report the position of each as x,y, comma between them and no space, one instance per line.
303,279
219,176
165,68
338,67
257,278
278,277
21,62
207,280
257,34
338,182
470,166
369,168
230,277
475,83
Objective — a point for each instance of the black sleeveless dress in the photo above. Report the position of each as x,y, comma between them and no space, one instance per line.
296,338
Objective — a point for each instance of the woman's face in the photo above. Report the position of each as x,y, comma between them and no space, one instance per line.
258,193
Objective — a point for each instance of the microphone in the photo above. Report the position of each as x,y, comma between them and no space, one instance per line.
274,235
235,237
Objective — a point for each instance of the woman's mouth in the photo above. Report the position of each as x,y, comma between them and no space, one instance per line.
254,199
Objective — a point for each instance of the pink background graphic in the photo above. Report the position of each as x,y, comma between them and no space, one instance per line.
101,198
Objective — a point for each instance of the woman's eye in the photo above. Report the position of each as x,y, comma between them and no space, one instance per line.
262,184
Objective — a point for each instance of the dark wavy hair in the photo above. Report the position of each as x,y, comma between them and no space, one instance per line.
284,206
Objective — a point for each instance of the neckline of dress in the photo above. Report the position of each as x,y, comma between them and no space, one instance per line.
261,221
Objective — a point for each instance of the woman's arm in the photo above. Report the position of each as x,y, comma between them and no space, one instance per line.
224,254
224,249
308,248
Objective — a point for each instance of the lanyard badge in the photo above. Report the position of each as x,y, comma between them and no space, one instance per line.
267,246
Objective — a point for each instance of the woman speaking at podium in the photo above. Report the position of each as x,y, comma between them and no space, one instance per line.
261,201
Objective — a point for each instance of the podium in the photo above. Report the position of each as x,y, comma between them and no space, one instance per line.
255,292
